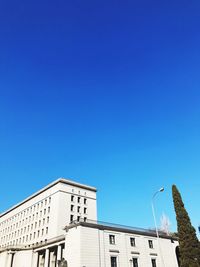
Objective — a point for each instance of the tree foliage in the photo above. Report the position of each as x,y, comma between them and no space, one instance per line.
188,242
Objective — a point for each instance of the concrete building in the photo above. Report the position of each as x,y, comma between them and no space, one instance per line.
60,222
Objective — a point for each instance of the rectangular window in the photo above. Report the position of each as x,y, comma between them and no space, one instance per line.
78,209
113,261
135,262
72,198
153,262
112,239
71,218
72,207
78,218
78,199
132,241
150,243
85,201
85,210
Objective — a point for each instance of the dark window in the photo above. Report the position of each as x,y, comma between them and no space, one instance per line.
85,219
71,218
78,199
78,218
113,261
135,262
85,210
85,200
153,262
78,209
72,198
132,241
150,243
112,239
72,207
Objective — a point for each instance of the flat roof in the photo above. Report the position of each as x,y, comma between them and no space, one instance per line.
119,228
59,180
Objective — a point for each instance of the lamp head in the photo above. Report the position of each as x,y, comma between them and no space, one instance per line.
161,189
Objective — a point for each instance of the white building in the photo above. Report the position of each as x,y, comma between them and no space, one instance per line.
60,221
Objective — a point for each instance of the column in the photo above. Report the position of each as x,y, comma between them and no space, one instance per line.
8,261
35,259
46,261
59,252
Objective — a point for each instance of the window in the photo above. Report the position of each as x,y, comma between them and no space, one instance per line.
72,198
78,218
150,243
112,239
78,199
72,207
71,218
113,261
132,241
85,210
85,201
135,262
85,219
78,209
153,262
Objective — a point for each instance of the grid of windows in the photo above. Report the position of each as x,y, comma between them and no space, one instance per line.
78,207
22,227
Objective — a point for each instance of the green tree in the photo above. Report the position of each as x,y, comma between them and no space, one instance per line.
188,242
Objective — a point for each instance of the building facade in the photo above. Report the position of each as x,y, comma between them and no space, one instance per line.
107,245
60,222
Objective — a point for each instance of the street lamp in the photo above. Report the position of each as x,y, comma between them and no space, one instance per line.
153,209
154,217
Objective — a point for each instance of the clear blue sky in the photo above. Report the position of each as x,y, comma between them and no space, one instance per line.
106,93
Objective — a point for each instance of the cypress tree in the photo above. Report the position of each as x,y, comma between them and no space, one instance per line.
188,242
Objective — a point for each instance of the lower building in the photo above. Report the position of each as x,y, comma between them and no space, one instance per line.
88,243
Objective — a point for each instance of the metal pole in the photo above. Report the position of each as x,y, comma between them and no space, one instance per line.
154,217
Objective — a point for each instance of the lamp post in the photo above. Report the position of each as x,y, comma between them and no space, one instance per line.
153,209
154,217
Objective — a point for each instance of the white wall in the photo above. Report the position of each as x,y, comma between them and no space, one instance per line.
72,251
23,259
90,247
